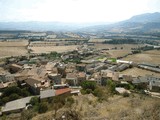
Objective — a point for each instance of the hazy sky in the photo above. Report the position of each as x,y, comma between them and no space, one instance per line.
75,10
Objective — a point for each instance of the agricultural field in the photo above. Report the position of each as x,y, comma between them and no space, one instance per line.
48,49
15,43
152,56
139,72
13,48
72,35
98,40
12,51
121,50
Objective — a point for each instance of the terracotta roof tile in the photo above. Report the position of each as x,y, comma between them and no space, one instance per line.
63,91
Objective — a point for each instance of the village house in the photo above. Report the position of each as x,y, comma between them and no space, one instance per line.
27,66
121,90
71,79
61,69
115,76
60,86
16,105
124,62
46,94
36,85
96,77
69,70
154,83
141,82
113,68
55,70
7,77
55,78
128,78
63,91
81,76
51,93
49,66
99,67
104,79
23,62
108,74
15,68
123,67
81,67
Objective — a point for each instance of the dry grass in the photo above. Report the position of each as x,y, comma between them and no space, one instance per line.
98,40
119,52
139,72
15,43
125,46
48,49
12,51
117,107
13,48
152,56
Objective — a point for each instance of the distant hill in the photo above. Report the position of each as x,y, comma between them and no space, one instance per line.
149,22
145,18
44,26
37,26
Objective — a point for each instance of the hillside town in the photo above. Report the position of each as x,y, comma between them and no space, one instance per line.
58,74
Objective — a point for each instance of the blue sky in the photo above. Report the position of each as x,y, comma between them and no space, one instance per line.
75,10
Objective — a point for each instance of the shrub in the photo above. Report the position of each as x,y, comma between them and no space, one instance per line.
43,107
26,115
98,92
88,91
125,94
5,99
83,91
11,90
34,100
13,96
70,101
88,85
111,85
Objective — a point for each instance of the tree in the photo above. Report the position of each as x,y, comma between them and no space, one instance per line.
13,96
24,92
5,99
11,90
88,85
34,100
111,85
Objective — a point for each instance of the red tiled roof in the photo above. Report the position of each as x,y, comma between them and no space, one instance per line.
62,91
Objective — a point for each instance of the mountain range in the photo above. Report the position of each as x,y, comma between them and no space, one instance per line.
149,22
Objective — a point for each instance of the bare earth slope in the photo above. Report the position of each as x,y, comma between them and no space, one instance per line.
135,107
